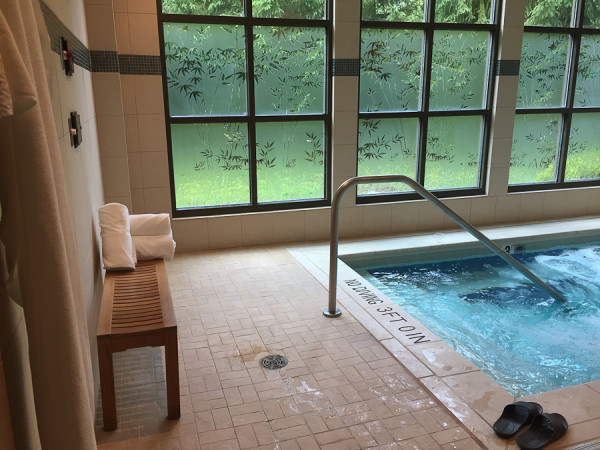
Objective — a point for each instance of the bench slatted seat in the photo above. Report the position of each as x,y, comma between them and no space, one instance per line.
137,311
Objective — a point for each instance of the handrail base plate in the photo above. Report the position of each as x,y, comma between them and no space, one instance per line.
327,313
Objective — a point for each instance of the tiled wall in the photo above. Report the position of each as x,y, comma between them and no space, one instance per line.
83,174
137,43
135,159
108,105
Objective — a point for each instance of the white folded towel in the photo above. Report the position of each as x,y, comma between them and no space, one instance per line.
149,224
152,247
117,245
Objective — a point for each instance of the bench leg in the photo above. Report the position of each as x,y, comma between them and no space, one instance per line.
107,384
172,373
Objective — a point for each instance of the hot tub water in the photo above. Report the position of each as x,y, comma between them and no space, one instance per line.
509,328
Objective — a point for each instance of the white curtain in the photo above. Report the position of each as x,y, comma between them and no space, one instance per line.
38,261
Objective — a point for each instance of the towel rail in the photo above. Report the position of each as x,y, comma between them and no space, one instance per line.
333,311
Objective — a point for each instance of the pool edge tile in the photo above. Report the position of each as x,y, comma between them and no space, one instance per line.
579,403
408,360
442,359
481,393
464,413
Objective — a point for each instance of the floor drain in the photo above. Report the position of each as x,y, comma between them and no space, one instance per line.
273,362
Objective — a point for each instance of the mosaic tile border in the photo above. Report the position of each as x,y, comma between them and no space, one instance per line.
139,65
346,67
98,60
104,61
111,61
56,30
508,67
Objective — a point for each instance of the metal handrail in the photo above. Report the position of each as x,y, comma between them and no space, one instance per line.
333,311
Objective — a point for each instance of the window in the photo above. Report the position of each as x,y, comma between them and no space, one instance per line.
555,140
248,98
425,94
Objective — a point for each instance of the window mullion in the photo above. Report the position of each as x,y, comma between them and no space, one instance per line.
328,110
248,28
570,100
579,8
570,97
562,151
425,91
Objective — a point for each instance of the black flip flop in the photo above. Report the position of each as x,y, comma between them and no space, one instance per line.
514,417
546,428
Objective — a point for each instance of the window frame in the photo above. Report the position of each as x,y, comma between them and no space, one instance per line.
574,31
428,27
251,119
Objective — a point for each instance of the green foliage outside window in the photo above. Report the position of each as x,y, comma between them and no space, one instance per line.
559,13
548,13
289,9
463,11
204,7
392,10
591,18
446,11
279,9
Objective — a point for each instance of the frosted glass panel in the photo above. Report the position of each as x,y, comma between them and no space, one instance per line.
390,69
289,70
543,71
290,161
453,147
583,157
458,71
587,90
210,164
206,69
535,144
386,146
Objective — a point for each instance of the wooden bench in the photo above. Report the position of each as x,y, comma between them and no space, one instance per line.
137,311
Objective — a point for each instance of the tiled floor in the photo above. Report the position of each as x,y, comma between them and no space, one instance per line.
341,389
